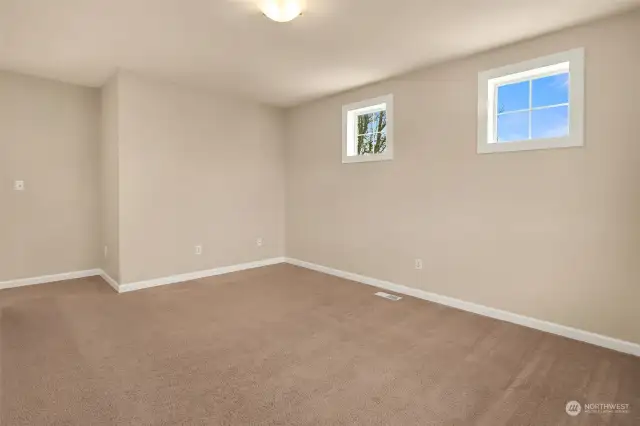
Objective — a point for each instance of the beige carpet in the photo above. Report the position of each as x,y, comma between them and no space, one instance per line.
286,346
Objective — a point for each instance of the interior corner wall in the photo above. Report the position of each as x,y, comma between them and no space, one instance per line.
109,168
195,169
49,138
551,234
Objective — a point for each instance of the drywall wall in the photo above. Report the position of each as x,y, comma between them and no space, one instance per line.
49,137
109,173
144,168
196,169
550,234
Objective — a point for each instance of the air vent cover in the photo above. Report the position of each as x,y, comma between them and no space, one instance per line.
388,296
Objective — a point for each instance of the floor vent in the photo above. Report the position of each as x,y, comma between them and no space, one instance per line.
388,296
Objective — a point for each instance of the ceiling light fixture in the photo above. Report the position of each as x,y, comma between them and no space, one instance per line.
281,10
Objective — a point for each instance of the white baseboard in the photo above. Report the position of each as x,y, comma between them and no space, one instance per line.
49,278
123,288
549,327
113,283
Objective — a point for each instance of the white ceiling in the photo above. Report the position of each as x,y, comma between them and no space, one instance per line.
228,46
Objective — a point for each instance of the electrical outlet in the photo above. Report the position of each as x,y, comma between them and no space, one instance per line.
198,250
418,263
18,185
259,242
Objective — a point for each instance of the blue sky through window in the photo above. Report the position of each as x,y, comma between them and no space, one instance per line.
533,109
552,90
550,122
513,97
513,127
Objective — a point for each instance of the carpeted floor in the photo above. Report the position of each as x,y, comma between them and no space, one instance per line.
283,345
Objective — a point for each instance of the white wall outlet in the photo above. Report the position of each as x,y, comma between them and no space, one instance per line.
418,263
198,250
106,251
18,185
259,242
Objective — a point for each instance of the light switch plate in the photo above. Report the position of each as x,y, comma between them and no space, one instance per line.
18,185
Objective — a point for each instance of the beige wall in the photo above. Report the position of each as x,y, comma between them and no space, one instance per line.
550,234
196,169
48,138
145,168
109,189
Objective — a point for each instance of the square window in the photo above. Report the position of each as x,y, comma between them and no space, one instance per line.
536,104
367,133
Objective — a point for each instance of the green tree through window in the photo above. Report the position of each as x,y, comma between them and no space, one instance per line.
371,133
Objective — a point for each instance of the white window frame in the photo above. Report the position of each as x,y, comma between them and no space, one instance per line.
349,138
571,61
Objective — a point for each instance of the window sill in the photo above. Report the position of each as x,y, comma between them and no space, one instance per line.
530,145
366,158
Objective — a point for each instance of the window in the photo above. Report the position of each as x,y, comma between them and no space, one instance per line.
367,130
537,104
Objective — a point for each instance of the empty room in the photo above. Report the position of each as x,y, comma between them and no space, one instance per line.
319,212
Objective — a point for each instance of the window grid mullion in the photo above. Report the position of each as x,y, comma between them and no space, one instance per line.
533,109
370,133
495,116
530,105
